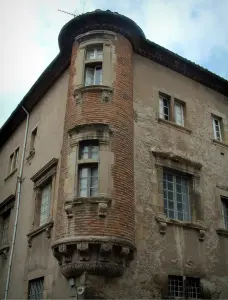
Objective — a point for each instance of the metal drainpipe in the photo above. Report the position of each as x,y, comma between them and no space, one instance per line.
19,181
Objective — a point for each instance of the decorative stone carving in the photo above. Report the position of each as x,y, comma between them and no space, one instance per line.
106,96
102,209
77,96
69,209
201,234
81,256
163,222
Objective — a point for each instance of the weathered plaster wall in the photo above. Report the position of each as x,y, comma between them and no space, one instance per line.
37,261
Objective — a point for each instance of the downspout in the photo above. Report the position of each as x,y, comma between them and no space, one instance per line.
18,198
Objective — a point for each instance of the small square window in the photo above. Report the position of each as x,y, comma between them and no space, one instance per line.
89,150
36,288
179,113
181,287
94,53
164,103
33,140
217,122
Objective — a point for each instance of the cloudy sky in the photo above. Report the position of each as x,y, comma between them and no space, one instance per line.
195,29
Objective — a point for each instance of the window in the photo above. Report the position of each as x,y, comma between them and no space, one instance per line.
13,161
45,203
181,287
36,288
164,107
94,53
217,128
179,113
93,75
5,228
225,211
176,196
88,171
93,70
33,140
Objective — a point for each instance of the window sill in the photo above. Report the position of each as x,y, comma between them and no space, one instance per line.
31,155
4,249
103,203
163,222
222,231
88,161
176,126
219,143
11,174
45,227
106,92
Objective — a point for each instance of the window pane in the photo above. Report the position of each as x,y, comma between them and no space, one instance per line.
98,75
84,152
179,113
164,108
217,129
90,54
84,173
89,76
83,192
45,203
94,172
94,152
93,192
83,181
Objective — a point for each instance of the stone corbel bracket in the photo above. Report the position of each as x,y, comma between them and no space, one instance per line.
44,228
103,256
163,223
102,202
4,251
106,92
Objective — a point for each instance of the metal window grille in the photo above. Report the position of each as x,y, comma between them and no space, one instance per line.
176,287
5,229
36,288
176,196
164,108
217,129
225,211
192,288
181,287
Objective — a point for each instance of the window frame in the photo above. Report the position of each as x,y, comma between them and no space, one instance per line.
172,103
183,289
182,106
219,120
36,280
13,161
95,64
33,140
89,164
185,212
42,221
224,201
162,98
5,231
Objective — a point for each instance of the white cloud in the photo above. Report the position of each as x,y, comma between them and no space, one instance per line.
30,30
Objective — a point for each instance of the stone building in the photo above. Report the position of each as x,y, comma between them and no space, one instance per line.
113,179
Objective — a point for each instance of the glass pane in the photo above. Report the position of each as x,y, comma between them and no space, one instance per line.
99,53
94,152
83,183
83,193
171,214
94,172
178,188
83,172
93,192
179,197
84,152
170,195
179,206
170,186
180,216
94,182
90,54
169,177
171,206
98,76
89,76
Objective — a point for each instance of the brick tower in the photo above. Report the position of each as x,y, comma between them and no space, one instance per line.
95,222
